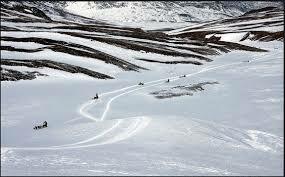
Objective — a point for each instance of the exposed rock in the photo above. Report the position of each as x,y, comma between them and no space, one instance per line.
264,36
54,65
180,90
172,62
73,49
213,38
260,10
26,10
13,75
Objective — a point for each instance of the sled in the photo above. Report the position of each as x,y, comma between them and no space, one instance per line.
39,127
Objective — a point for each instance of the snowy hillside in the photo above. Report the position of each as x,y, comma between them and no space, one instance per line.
107,49
210,103
162,11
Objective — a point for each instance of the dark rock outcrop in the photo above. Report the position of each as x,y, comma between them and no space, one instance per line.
54,65
180,90
13,75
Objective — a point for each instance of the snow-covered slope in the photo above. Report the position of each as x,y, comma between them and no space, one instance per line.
268,19
162,11
108,48
221,113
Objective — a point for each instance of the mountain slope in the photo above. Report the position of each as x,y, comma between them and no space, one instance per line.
119,47
178,11
200,99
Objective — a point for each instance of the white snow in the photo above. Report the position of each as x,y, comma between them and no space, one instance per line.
231,37
208,133
234,127
147,12
22,45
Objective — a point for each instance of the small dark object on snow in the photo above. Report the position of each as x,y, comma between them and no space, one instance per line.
40,126
213,38
141,83
167,80
45,124
96,97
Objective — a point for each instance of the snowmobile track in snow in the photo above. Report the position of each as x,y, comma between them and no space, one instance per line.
136,125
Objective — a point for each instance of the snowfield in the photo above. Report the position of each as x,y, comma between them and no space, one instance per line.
129,132
232,127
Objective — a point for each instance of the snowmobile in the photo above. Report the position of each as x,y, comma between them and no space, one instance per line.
141,83
40,126
96,97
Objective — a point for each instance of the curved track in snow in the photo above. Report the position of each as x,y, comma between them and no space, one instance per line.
136,124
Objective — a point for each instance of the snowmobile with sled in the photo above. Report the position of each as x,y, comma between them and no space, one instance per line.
40,126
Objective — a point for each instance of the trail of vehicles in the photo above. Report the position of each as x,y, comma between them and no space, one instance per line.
97,97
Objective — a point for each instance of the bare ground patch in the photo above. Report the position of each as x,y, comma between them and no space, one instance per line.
172,62
14,75
73,49
181,90
48,64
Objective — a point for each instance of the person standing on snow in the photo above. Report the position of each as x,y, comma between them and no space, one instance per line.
45,124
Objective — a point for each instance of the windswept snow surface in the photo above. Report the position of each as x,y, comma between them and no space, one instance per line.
231,128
